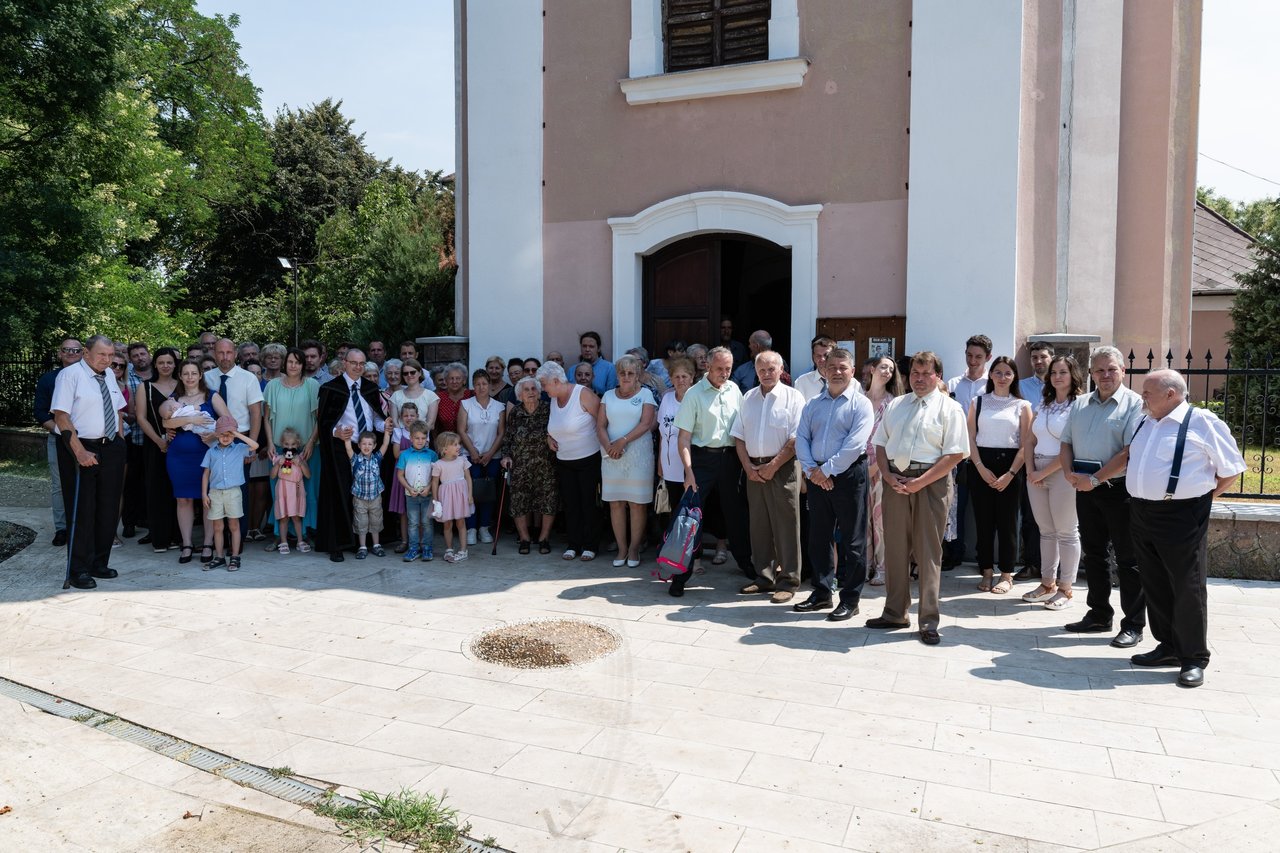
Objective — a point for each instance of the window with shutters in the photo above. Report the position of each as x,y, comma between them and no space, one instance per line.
708,33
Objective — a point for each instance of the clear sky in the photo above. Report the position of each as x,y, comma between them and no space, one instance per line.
391,63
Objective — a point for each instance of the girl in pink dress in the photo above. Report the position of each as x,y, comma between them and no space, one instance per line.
290,472
399,442
451,489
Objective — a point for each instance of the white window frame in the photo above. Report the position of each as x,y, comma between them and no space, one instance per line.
650,84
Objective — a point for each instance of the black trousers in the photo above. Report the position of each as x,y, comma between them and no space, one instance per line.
162,507
842,509
995,514
718,473
134,510
1104,518
579,481
93,503
1169,540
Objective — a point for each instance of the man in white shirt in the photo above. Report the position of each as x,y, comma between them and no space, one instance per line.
811,384
963,389
922,436
1179,460
86,409
765,437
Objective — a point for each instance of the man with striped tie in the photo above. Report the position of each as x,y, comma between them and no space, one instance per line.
91,457
349,404
242,393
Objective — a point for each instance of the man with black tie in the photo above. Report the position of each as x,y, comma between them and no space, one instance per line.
349,404
86,410
1179,460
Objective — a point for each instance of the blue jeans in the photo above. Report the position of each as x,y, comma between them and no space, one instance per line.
417,512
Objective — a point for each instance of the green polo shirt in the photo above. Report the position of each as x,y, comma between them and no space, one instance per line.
708,413
1099,430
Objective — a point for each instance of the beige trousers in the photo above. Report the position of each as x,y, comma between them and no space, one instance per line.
775,525
913,527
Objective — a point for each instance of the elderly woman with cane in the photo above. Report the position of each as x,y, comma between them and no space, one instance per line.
531,465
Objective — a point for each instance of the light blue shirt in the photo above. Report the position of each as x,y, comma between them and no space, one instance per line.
834,431
603,377
745,376
226,465
1032,390
1098,430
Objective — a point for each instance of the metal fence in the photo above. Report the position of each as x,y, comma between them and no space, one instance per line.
18,377
1243,390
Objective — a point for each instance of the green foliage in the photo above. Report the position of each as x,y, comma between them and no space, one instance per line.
1258,217
405,817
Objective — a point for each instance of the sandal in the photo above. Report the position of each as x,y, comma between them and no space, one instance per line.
878,580
304,547
206,553
1060,601
985,584
377,551
544,547
284,548
1040,593
275,545
588,556
720,558
524,546
570,554
185,555
1003,586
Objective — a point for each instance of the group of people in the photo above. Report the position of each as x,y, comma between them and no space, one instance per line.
844,478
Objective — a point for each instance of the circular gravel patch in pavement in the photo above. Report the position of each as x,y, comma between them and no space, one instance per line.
13,538
544,644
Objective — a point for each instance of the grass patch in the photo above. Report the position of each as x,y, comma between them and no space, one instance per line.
1256,479
405,817
25,467
280,772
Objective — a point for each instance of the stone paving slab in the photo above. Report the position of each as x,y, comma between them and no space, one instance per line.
723,723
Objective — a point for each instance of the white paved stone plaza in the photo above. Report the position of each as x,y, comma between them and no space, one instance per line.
724,723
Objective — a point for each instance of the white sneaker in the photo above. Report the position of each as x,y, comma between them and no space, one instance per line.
485,536
471,536
459,556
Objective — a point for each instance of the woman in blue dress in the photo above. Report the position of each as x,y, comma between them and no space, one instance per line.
187,448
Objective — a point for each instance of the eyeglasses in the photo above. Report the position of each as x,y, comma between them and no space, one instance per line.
72,350
116,365
409,371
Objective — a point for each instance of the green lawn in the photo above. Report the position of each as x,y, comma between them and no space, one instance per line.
1268,483
25,468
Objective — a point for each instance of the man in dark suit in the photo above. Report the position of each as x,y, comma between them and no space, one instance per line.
349,404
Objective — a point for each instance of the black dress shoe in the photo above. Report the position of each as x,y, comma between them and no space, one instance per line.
1159,656
842,612
105,574
1088,626
812,603
83,582
129,531
145,540
59,539
1127,638
930,637
336,557
881,622
1191,676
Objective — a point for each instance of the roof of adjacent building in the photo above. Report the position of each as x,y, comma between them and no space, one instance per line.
1219,252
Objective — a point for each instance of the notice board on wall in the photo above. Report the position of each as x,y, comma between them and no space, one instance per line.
869,335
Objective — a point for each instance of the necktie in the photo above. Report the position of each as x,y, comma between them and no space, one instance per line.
361,423
903,459
222,387
109,420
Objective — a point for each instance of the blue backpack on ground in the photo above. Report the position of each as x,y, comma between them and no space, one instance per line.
682,539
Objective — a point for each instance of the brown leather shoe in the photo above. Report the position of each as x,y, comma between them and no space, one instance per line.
881,622
782,596
929,637
755,587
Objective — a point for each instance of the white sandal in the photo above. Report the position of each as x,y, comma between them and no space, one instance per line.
1060,601
569,554
587,556
1040,593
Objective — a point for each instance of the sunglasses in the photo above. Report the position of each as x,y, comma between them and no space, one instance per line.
72,350
409,371
115,365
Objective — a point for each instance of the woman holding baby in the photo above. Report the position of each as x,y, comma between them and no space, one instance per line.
191,424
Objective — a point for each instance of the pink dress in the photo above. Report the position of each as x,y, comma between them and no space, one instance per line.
875,495
291,492
396,501
453,495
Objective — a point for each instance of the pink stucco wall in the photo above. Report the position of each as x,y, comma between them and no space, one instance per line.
577,290
862,259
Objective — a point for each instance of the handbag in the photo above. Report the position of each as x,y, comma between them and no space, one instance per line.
661,500
682,538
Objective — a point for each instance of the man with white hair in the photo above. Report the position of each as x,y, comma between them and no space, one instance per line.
1098,429
745,374
765,437
1180,459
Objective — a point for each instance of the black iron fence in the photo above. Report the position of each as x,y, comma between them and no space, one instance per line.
1243,390
19,374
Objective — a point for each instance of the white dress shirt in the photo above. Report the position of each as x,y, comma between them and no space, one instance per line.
810,384
243,390
1210,453
922,429
77,393
372,420
965,389
768,421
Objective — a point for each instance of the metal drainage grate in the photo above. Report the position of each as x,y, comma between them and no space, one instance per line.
241,772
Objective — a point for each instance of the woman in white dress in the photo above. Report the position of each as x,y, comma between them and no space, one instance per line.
626,418
480,425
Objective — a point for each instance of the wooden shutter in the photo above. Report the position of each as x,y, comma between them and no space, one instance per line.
705,33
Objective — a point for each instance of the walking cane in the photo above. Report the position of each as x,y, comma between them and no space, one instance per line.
497,530
71,538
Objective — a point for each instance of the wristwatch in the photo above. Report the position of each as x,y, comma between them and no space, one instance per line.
1095,482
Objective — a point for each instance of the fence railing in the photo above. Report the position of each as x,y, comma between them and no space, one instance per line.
19,374
1243,390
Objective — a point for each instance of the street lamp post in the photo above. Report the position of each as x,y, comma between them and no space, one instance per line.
285,264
